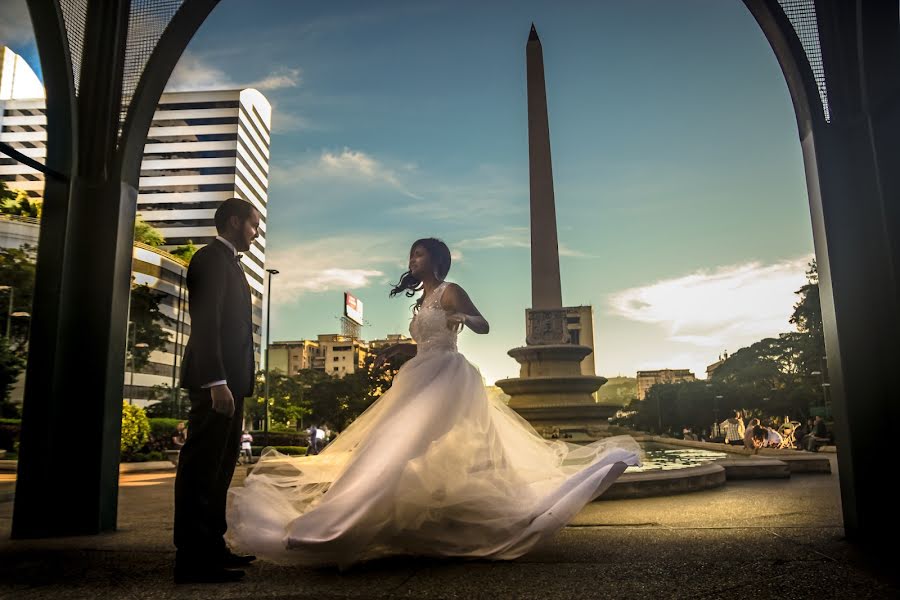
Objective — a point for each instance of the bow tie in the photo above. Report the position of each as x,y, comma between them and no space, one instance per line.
238,257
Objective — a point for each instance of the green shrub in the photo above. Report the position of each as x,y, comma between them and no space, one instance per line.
161,432
147,457
135,429
280,438
9,433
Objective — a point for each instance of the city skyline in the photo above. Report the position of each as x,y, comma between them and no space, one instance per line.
681,199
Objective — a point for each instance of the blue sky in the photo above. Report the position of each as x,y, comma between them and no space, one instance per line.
681,202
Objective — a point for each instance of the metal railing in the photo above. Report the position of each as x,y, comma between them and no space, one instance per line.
20,219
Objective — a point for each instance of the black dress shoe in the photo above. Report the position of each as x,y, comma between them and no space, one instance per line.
230,560
206,574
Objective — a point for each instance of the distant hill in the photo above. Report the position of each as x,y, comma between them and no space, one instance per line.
618,389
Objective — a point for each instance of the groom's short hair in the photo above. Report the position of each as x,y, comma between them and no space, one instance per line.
232,207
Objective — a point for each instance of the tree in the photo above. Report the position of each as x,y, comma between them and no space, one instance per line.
807,317
165,406
18,203
316,394
12,363
147,234
147,321
185,252
17,268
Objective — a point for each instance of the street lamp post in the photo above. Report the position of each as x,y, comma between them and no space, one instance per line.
823,385
134,345
176,392
268,323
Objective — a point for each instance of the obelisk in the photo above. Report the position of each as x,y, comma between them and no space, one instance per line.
546,290
551,391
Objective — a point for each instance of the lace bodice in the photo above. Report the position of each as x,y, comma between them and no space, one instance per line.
429,325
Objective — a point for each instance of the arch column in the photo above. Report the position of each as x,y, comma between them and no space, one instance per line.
67,481
853,180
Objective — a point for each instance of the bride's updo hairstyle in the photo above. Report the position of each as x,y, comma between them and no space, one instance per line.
439,256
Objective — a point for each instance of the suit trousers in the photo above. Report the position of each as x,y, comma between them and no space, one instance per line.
205,469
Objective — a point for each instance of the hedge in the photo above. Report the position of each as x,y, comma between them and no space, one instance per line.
148,457
279,438
161,432
290,450
10,429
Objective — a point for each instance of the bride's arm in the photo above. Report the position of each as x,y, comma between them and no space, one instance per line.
462,311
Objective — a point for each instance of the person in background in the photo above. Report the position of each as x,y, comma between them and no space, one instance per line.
818,435
312,441
750,434
179,437
773,438
246,447
734,429
320,439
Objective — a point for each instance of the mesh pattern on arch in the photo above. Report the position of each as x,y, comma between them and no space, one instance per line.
74,14
147,21
802,15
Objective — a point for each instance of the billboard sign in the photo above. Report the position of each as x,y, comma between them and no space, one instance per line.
353,308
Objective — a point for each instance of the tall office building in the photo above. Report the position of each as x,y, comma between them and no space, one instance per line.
202,148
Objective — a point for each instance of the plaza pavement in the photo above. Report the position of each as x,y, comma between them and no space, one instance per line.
749,539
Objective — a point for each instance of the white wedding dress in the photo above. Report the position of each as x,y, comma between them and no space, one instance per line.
433,468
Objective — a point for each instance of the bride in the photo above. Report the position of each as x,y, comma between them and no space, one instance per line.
433,468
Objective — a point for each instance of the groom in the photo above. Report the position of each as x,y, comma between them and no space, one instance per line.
218,371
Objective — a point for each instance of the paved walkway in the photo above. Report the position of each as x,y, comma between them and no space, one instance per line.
761,539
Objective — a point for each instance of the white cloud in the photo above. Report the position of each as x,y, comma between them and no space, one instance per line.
347,166
283,121
727,308
193,73
280,79
513,237
487,193
334,263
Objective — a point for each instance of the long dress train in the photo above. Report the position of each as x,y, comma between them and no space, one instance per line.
433,468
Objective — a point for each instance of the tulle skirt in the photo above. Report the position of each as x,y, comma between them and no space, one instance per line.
433,468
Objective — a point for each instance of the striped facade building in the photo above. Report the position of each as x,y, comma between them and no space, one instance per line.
202,148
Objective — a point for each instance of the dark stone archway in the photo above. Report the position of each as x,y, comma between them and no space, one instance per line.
105,64
840,60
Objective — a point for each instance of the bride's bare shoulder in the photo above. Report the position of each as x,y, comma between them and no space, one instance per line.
453,295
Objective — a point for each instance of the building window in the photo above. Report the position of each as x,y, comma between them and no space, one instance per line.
199,105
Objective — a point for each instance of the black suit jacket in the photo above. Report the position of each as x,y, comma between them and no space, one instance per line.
221,342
